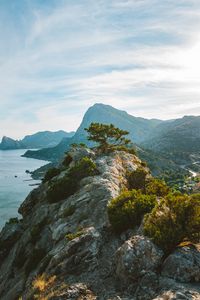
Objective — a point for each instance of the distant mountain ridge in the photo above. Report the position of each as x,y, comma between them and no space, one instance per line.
38,140
165,145
138,128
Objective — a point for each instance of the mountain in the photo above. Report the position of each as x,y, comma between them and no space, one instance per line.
154,140
179,139
37,140
65,246
10,144
176,135
139,129
45,139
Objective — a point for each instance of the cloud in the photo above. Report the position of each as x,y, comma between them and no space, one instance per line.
59,57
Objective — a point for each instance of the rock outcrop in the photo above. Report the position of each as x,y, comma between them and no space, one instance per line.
68,247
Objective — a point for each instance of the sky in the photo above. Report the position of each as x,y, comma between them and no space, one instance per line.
59,57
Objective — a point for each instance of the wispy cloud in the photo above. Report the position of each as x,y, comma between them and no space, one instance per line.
59,57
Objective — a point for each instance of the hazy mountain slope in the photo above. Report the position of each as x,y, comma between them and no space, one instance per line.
139,129
37,140
181,135
10,144
45,138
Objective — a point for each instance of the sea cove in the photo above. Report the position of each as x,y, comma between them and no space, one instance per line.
15,183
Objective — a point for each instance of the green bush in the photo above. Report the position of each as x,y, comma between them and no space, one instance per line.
67,186
126,211
72,236
156,187
61,189
175,219
67,160
137,179
50,174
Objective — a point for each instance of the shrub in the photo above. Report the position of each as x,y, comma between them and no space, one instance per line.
156,187
13,221
126,211
137,179
72,236
50,174
173,220
67,186
84,168
130,150
61,189
67,160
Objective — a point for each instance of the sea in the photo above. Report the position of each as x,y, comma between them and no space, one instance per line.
15,182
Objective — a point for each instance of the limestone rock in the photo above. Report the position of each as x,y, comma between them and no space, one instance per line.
135,257
183,264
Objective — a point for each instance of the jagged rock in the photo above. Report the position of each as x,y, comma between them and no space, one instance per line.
77,255
76,292
8,237
135,257
147,287
72,239
183,264
79,152
177,295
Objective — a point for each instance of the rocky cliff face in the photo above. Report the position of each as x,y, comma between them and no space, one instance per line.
67,249
10,144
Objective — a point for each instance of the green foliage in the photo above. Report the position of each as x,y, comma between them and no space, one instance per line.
67,160
69,211
137,179
130,150
50,174
126,211
67,186
108,137
61,189
156,187
175,219
13,221
72,236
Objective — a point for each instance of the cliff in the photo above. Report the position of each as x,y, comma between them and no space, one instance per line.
65,248
10,144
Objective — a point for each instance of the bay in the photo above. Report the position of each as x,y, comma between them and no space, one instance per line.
15,183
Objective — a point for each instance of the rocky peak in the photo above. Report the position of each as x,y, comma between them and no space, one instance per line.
69,246
9,144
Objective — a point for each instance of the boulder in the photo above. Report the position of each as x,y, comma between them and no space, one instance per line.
183,264
136,257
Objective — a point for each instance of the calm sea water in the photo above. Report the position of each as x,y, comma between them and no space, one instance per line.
15,183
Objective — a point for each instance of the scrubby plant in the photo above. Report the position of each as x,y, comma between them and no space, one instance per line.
42,282
67,186
67,160
52,172
13,221
107,137
175,219
72,236
156,187
127,210
137,179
